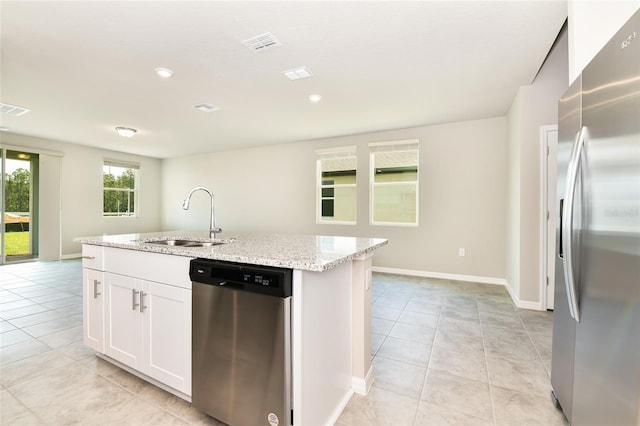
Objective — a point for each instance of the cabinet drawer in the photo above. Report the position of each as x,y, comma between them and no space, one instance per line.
161,268
93,257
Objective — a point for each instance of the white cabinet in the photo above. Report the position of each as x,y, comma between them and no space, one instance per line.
123,320
148,327
137,311
93,257
167,334
93,297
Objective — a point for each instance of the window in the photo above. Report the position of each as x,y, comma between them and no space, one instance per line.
394,183
120,188
336,188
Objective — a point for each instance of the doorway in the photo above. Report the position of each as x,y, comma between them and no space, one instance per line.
19,207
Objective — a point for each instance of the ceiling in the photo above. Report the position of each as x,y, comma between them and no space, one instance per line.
85,67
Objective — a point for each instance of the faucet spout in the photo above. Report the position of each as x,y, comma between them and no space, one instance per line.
212,222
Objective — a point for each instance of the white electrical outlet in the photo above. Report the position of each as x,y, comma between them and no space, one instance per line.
461,252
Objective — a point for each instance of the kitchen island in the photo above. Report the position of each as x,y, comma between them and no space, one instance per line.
137,308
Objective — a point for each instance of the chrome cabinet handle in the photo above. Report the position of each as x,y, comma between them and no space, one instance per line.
142,305
134,305
567,222
95,289
89,257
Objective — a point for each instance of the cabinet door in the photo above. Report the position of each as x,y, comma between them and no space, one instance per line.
167,331
124,321
93,309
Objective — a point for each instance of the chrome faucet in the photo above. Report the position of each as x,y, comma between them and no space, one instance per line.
212,223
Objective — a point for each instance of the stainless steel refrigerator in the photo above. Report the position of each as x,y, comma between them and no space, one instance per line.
595,372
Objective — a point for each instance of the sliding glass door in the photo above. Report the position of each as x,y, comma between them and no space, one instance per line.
19,195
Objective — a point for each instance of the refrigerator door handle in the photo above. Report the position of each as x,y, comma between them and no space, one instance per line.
567,222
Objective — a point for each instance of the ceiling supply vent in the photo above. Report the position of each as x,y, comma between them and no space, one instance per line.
205,107
298,73
262,42
16,111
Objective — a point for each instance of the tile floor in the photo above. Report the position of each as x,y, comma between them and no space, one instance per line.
455,353
444,353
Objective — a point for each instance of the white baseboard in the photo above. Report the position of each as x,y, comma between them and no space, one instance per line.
71,256
523,304
363,386
441,275
144,377
339,408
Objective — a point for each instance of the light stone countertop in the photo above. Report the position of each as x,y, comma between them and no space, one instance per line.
304,252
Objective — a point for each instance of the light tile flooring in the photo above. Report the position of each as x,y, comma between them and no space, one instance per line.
444,353
455,353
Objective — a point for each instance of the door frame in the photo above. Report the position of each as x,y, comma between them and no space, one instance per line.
33,159
2,205
546,219
49,198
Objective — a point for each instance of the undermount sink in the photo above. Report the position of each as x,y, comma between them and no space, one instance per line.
186,243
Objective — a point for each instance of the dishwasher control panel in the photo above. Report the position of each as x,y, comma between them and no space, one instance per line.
240,276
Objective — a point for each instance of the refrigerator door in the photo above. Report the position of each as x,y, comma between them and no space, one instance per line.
606,387
564,326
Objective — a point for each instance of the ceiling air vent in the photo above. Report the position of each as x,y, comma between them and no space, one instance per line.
16,111
298,73
262,42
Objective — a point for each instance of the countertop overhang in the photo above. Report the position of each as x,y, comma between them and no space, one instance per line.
305,252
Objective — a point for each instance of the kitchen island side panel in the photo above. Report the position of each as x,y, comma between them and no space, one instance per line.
321,341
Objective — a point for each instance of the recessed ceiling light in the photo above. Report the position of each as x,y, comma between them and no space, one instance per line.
126,132
298,73
205,107
164,72
315,98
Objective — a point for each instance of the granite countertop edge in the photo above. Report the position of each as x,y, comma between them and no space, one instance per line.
250,248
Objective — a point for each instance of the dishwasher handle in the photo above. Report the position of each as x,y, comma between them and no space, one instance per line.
228,284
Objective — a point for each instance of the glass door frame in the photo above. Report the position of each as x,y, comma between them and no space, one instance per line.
2,205
33,159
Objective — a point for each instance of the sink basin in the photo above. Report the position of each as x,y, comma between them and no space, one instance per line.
185,243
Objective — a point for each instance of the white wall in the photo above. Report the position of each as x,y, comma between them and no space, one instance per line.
513,222
81,191
462,195
534,105
592,24
49,218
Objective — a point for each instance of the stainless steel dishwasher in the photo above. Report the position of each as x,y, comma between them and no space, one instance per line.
241,342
